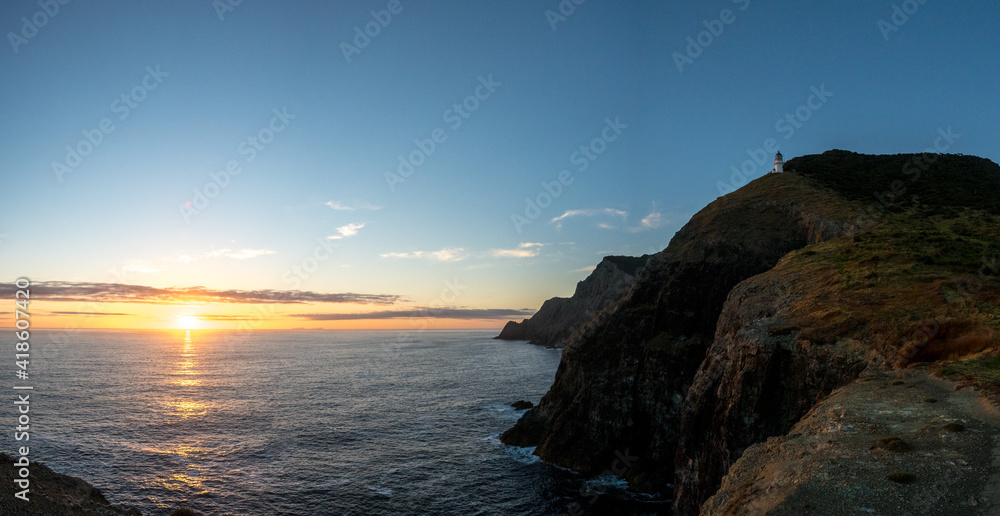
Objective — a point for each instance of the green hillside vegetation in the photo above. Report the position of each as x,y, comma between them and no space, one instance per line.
905,280
937,180
920,279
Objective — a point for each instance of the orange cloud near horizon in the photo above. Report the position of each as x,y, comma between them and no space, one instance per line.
59,304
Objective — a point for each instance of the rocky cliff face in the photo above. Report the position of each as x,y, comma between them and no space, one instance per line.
895,444
559,317
756,381
763,303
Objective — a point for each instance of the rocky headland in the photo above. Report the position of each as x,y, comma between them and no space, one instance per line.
559,317
771,298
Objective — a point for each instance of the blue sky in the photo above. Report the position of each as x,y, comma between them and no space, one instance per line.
199,86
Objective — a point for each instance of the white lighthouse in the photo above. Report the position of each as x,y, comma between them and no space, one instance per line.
779,163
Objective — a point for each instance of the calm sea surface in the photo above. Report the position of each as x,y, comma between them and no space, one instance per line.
301,422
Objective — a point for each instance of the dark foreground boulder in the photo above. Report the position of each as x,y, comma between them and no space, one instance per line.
51,494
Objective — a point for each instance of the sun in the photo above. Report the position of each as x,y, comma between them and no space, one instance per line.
188,322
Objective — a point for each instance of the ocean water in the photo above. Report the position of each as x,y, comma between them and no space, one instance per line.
302,422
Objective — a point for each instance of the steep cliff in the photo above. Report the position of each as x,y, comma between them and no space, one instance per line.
919,285
660,374
559,317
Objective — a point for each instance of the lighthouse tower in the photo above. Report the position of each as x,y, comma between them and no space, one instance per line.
779,163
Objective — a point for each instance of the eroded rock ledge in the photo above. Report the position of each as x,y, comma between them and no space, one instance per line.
892,444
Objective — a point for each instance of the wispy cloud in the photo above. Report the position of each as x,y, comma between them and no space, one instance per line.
524,250
88,313
453,254
346,231
238,254
432,313
127,293
652,221
339,206
657,220
585,269
241,254
227,317
609,212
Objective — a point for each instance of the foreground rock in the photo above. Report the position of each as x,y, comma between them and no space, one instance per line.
53,494
559,317
891,444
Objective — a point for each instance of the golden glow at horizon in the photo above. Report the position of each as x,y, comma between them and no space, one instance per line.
188,322
232,317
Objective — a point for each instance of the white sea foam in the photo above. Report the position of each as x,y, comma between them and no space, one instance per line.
384,491
522,454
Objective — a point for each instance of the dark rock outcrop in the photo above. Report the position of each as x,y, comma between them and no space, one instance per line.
559,317
768,299
52,493
522,405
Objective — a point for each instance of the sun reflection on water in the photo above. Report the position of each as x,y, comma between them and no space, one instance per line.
186,374
180,482
186,366
188,408
184,450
